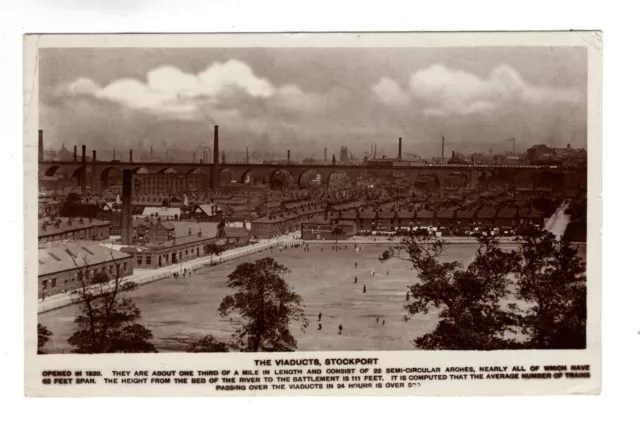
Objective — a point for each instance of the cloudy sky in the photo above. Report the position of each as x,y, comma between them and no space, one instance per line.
305,99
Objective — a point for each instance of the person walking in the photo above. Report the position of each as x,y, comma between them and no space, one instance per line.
355,280
383,322
320,316
364,288
320,327
340,329
377,320
407,298
356,264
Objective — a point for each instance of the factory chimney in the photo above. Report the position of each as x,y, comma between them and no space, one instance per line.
114,154
94,184
442,156
325,154
288,156
125,220
75,153
130,156
40,145
83,173
399,149
246,155
213,176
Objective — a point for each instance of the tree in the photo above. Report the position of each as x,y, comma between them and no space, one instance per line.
544,278
552,280
43,337
337,232
212,248
108,320
207,344
267,305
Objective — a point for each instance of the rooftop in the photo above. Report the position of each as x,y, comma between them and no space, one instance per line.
234,232
161,211
64,224
63,256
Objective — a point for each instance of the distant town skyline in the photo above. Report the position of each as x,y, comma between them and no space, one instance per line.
271,100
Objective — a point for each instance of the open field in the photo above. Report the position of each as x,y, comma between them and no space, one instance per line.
178,310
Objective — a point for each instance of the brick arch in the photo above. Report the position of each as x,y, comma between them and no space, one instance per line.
272,175
425,179
104,175
227,171
305,171
195,170
52,170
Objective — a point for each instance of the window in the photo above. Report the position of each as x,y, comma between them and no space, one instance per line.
139,260
53,282
111,269
44,284
79,276
124,266
148,260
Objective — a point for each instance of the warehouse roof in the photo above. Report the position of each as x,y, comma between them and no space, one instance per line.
68,255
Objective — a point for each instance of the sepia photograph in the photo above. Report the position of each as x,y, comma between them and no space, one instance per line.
236,198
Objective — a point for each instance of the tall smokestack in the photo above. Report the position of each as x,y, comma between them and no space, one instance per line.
75,153
151,151
83,173
375,149
125,219
130,156
288,156
40,145
114,154
213,176
325,154
399,148
442,156
246,156
94,184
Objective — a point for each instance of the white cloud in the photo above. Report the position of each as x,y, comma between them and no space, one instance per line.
390,92
443,91
169,90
